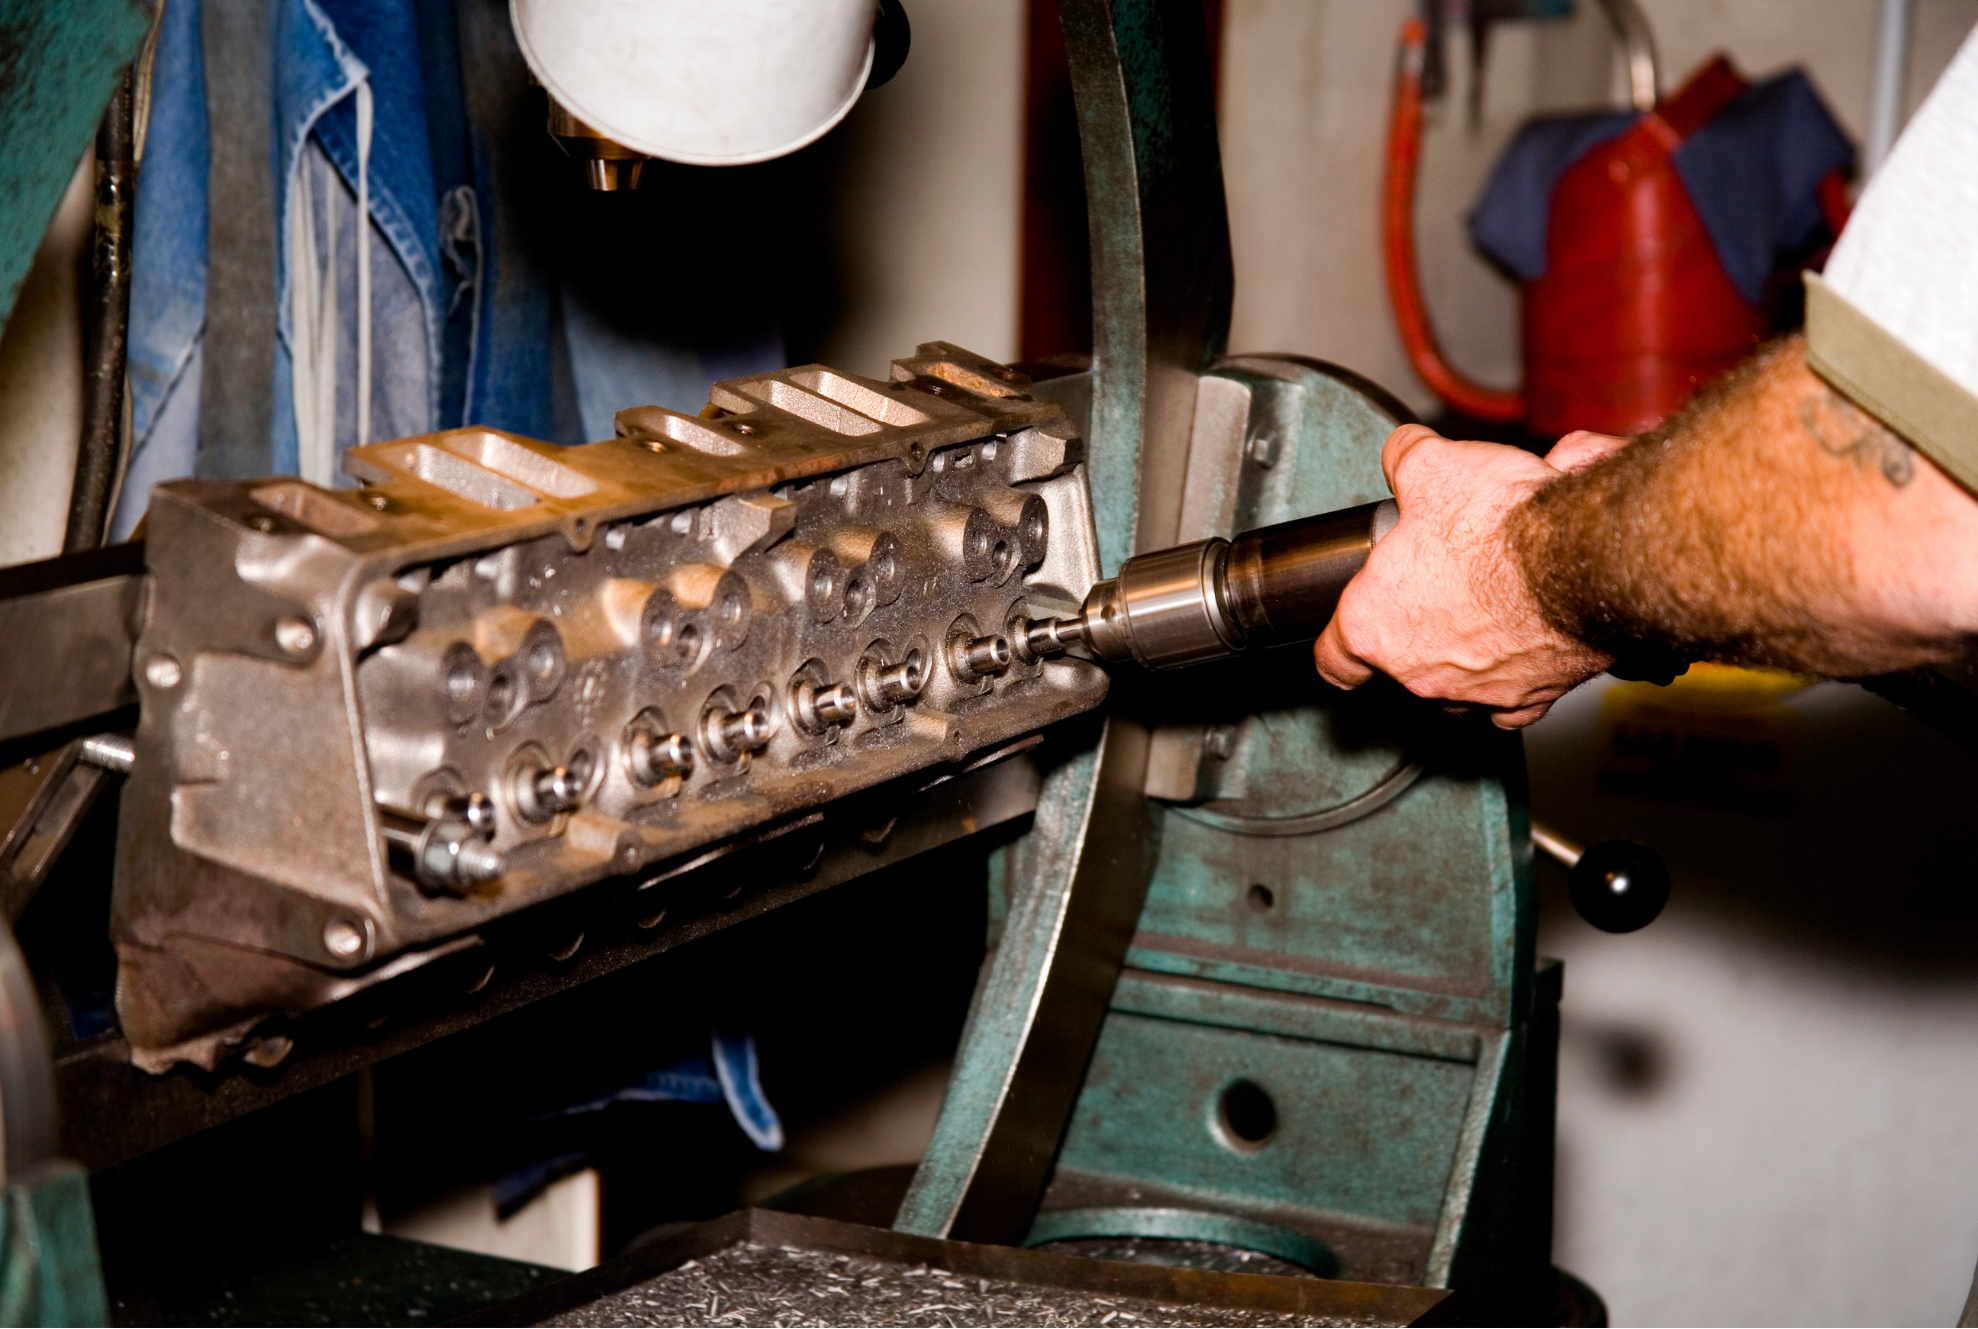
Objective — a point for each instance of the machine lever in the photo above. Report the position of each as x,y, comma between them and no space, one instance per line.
1617,885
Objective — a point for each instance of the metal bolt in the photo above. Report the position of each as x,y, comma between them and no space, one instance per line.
295,634
452,853
343,938
112,752
1263,449
1051,636
540,792
162,671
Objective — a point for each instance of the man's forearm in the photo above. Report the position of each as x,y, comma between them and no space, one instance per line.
1769,522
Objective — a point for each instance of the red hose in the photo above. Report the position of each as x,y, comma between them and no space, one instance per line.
1404,154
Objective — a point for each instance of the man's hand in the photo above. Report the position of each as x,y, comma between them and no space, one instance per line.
1442,605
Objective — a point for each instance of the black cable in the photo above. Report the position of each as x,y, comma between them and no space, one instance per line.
107,328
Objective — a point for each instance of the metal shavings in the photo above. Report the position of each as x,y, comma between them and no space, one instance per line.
753,1284
1182,1254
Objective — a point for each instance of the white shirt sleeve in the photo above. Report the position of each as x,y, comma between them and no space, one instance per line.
1908,258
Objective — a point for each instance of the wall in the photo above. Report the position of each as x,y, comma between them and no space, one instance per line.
1764,1104
1305,96
923,194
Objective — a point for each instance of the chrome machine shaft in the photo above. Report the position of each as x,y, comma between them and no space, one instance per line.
1210,599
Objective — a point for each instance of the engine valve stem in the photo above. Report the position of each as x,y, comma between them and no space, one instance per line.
977,658
743,731
543,793
1052,636
476,809
820,706
657,757
561,788
901,682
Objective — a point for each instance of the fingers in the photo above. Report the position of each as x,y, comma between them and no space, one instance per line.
1521,717
1581,449
1337,665
1399,444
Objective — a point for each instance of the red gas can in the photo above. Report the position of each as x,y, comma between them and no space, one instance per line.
1634,310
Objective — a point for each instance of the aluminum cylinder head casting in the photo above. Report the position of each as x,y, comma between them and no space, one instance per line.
533,669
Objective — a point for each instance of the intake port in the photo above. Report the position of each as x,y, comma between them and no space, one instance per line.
506,695
668,633
463,683
541,660
876,559
989,552
859,597
886,568
1025,518
824,585
722,599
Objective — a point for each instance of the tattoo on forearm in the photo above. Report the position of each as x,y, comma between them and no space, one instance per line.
1719,534
1844,430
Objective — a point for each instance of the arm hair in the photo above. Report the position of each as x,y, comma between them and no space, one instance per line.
1769,522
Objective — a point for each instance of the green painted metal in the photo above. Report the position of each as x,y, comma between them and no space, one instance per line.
1161,300
1161,268
1359,1132
1167,1224
1383,997
58,65
1037,1010
49,1270
1373,977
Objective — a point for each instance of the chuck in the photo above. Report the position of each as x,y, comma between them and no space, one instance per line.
1213,598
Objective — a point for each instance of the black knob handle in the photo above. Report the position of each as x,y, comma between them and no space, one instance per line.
1619,886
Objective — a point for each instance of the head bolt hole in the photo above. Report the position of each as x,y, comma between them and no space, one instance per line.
1247,1116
